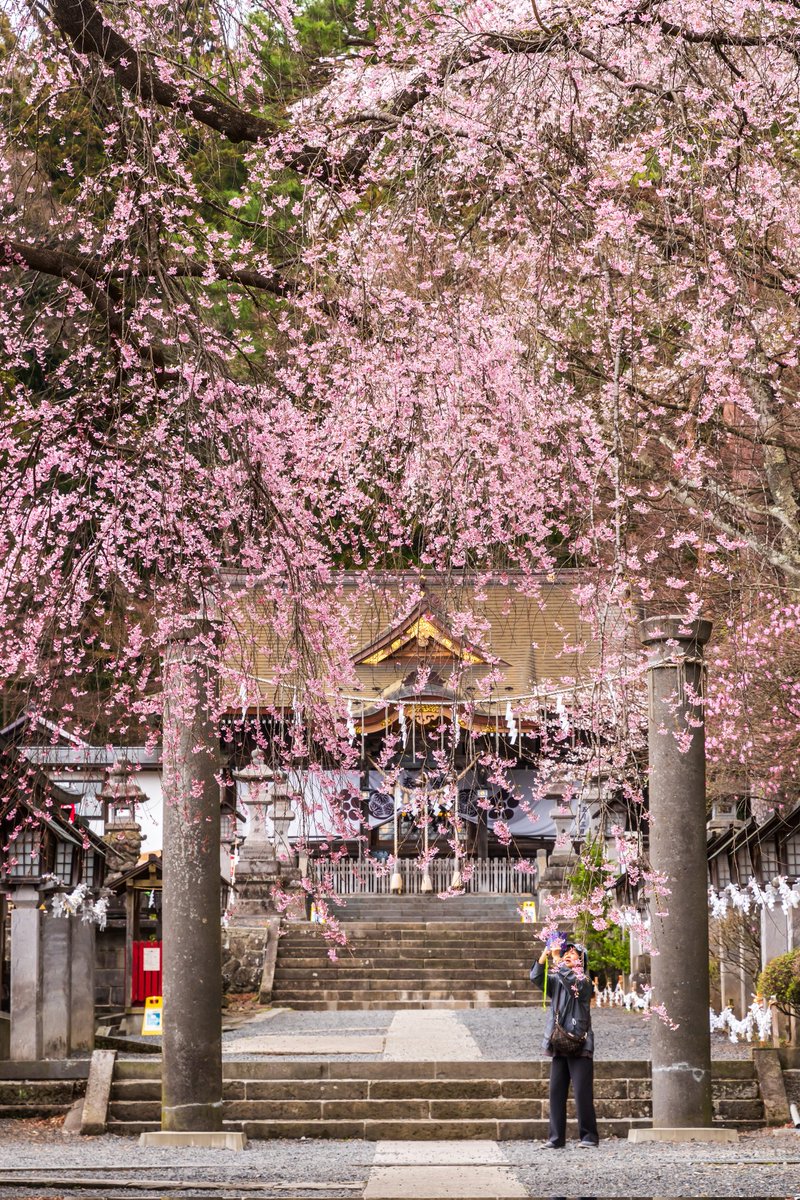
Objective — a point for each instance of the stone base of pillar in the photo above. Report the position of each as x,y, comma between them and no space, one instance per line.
686,1134
249,954
552,882
255,903
214,1140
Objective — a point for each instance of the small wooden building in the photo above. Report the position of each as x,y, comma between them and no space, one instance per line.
129,948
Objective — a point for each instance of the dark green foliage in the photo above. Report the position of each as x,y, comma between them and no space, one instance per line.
609,948
781,979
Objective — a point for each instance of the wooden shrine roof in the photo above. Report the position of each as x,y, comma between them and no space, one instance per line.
462,632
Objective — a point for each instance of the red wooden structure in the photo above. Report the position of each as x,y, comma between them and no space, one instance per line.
144,983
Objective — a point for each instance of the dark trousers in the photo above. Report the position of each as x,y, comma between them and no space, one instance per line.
581,1072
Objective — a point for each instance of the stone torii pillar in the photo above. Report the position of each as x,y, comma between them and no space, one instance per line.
681,1049
191,1086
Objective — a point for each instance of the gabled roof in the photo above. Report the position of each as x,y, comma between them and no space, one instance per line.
783,823
149,867
51,815
28,724
503,637
419,635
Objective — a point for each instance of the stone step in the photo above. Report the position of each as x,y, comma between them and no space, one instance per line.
399,929
436,913
378,997
402,1130
276,1070
290,992
14,1112
461,942
476,958
389,1110
446,1109
417,981
407,962
38,1097
363,949
38,1091
490,948
448,931
488,906
149,1090
419,938
313,981
294,976
397,1005
418,931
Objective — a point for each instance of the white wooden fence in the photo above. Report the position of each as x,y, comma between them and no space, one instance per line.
350,877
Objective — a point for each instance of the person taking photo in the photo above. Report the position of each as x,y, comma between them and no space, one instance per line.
562,973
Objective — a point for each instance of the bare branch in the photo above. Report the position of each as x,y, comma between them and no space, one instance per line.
89,32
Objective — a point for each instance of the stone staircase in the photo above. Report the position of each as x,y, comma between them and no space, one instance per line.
47,1088
469,907
424,1100
407,964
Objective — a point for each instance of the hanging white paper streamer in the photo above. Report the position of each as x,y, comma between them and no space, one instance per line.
745,899
512,724
563,718
758,1020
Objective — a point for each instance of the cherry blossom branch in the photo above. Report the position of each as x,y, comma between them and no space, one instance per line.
84,276
89,32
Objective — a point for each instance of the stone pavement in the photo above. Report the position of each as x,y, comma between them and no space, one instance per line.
420,1035
441,1169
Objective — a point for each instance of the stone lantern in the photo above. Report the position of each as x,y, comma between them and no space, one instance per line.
282,816
563,818
258,853
255,923
121,796
723,816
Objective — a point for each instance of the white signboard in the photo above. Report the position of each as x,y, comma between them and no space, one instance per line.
151,958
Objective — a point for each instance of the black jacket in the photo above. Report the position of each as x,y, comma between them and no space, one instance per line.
571,999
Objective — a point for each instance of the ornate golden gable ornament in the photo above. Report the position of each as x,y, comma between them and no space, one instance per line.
417,636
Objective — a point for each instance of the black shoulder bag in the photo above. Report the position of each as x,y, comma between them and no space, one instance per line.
562,1042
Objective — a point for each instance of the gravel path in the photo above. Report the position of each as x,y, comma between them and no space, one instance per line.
41,1150
504,1033
760,1165
501,1033
764,1164
286,1020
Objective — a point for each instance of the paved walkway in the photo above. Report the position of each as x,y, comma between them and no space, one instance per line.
35,1157
424,1034
441,1169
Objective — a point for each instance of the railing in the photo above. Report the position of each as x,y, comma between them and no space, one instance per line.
350,877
